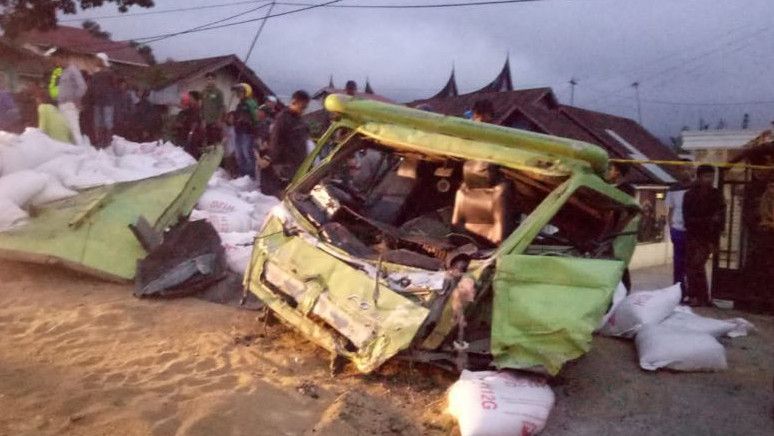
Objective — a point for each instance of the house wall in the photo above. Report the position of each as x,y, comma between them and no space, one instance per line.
224,80
652,251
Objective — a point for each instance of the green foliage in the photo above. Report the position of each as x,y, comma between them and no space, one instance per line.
20,15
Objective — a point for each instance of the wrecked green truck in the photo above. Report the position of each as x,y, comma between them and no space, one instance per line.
437,239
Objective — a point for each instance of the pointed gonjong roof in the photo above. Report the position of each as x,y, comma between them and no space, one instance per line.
449,90
503,81
368,89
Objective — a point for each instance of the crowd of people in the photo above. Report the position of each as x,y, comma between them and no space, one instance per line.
263,139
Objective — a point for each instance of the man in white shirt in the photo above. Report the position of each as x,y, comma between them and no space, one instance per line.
674,202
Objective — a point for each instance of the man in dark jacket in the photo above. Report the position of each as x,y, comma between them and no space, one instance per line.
704,213
286,148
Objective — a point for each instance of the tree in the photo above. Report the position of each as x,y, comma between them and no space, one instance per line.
145,51
95,29
20,15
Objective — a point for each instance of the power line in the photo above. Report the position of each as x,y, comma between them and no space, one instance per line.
209,26
165,11
258,33
425,6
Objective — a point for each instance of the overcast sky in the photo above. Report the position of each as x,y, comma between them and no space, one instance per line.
687,55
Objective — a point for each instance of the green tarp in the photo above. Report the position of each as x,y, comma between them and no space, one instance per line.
546,308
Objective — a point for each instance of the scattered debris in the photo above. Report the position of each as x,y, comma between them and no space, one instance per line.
308,389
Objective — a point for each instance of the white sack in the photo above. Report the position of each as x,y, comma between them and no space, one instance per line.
679,350
63,168
53,191
225,222
220,201
618,297
32,149
683,318
10,214
500,403
20,187
238,248
640,308
244,183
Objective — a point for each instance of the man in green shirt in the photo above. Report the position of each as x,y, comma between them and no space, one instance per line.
213,109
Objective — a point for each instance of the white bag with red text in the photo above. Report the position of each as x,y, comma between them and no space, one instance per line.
679,350
221,201
641,308
495,403
226,222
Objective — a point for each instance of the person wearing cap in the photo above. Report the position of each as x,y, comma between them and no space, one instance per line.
272,105
286,149
213,110
245,118
102,95
704,214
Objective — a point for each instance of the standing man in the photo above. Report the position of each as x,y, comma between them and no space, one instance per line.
9,112
704,213
72,88
245,118
483,111
674,203
616,176
350,88
102,92
123,108
213,110
286,148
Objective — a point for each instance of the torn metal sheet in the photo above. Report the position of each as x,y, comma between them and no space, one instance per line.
90,231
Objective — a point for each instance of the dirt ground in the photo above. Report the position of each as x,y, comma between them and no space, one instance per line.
80,356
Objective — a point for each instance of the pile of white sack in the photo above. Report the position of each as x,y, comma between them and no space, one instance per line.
236,209
668,335
36,169
500,403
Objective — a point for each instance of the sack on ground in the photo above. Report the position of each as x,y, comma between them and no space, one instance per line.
640,308
220,201
683,318
618,297
679,350
225,222
11,215
500,403
53,191
20,187
238,248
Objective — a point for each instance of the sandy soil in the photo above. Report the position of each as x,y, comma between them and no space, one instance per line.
79,356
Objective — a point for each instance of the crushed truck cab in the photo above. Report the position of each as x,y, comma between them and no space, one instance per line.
437,239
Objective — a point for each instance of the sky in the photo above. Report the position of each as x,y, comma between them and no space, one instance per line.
693,59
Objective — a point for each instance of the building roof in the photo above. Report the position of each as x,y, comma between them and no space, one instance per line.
621,137
24,62
624,138
179,71
449,90
717,139
82,41
503,81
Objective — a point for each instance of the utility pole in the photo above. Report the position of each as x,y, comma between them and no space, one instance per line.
636,86
573,82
